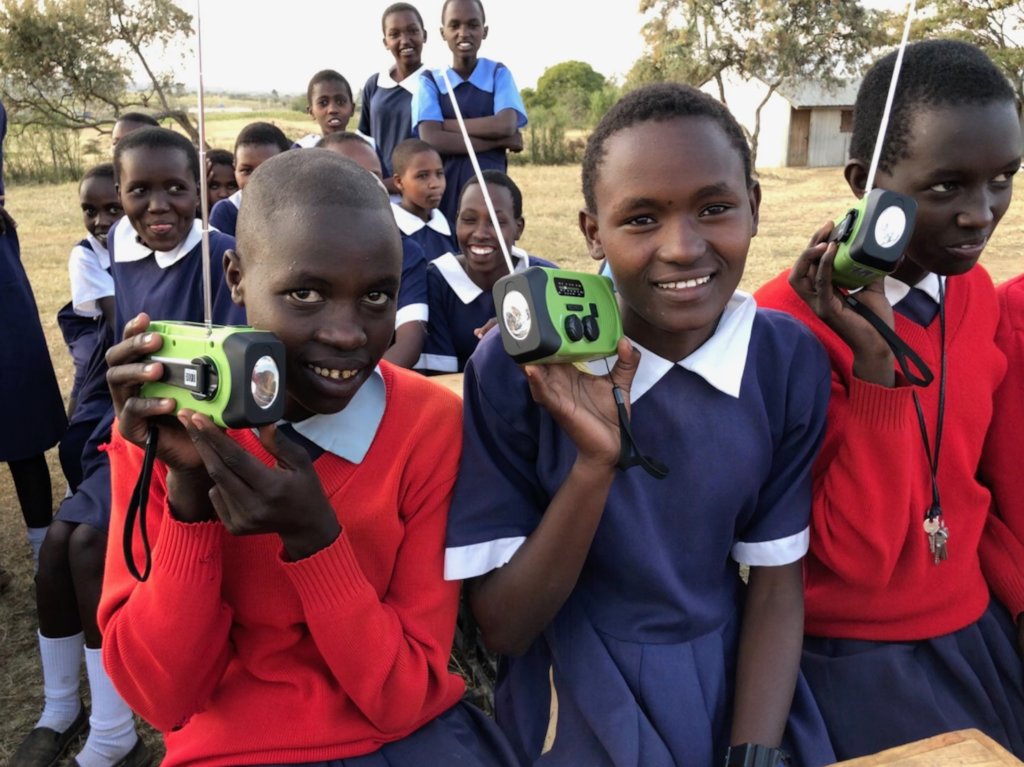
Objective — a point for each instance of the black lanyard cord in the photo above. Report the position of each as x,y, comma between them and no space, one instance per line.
935,510
137,508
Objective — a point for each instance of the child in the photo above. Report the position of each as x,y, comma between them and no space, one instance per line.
619,591
308,621
256,143
488,98
419,179
411,316
903,644
128,122
34,420
386,109
354,147
156,263
330,104
88,319
220,176
459,286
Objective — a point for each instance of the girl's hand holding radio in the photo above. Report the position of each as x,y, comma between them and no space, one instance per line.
811,278
584,405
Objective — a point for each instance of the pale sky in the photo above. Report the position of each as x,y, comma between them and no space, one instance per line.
245,49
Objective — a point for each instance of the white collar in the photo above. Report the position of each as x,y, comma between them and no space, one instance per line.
128,246
410,223
308,141
236,199
102,254
896,291
461,283
411,83
349,433
720,360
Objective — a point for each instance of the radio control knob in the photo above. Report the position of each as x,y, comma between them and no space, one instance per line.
591,330
574,328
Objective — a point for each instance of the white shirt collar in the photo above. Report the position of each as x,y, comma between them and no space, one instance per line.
410,223
236,199
102,254
349,433
461,283
411,83
720,360
896,291
128,246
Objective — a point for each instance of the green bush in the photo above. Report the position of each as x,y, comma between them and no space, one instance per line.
545,141
44,155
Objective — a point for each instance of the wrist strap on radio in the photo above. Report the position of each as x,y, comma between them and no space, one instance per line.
905,356
629,453
137,511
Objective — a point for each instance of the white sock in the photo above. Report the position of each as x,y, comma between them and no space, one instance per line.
62,664
111,727
35,540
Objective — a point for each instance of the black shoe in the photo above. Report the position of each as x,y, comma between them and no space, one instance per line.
44,747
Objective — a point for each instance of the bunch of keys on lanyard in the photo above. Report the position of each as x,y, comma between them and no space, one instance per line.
937,533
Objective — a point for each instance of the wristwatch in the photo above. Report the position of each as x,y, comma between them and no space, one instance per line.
753,755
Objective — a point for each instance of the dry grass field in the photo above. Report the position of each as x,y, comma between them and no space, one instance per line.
795,203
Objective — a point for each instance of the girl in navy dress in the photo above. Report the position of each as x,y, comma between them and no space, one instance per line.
419,178
461,306
386,109
34,419
305,620
156,261
256,143
220,176
616,596
87,321
488,98
329,103
904,642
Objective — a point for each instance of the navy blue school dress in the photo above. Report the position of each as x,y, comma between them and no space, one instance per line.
167,286
34,417
642,656
386,112
224,216
458,306
434,236
412,293
488,90
80,319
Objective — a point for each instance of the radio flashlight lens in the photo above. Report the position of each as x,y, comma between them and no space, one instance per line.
890,226
515,314
265,382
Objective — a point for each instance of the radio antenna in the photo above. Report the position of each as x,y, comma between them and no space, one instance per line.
203,183
880,141
479,174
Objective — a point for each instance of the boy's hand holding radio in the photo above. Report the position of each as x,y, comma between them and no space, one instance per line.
128,370
811,278
251,498
584,405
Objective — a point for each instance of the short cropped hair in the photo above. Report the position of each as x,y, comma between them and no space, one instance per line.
479,4
156,138
405,151
399,8
140,118
498,178
342,137
299,181
103,170
220,157
326,76
935,73
657,103
262,134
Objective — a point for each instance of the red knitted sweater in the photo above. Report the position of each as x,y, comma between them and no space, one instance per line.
241,657
869,572
1001,467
